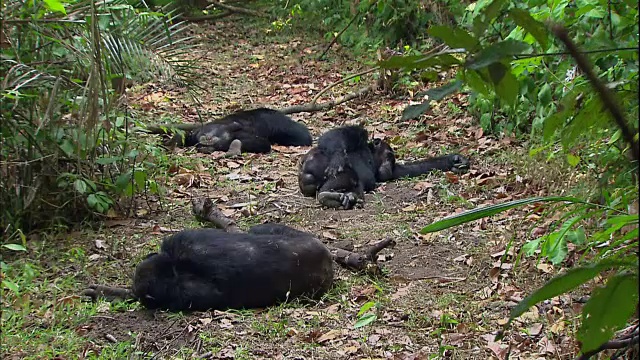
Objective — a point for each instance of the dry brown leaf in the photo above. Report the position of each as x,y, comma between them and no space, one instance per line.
330,235
534,329
499,350
409,208
329,335
453,178
422,186
546,268
401,292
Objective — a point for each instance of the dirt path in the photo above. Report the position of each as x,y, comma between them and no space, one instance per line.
444,293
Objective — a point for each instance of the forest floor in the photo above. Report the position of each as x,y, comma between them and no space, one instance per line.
444,294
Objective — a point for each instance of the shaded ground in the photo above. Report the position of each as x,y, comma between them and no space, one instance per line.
445,293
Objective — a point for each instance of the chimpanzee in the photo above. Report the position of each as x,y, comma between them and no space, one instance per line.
344,165
256,129
204,269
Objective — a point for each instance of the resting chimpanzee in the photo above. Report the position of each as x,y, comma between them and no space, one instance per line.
256,129
211,269
344,165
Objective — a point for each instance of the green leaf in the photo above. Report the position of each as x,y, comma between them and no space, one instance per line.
123,181
530,247
436,94
11,286
573,160
80,186
555,247
67,147
14,247
454,37
507,88
487,211
475,81
365,307
560,285
140,177
539,31
496,53
481,22
55,5
545,94
577,236
92,200
365,320
608,310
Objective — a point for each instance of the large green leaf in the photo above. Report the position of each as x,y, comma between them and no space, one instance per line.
454,37
487,211
496,52
561,284
475,81
523,19
481,22
55,5
608,310
506,84
414,111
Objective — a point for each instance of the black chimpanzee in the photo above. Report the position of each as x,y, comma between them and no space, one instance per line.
206,269
256,129
344,165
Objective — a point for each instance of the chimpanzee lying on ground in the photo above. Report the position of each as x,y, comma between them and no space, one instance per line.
211,269
256,129
344,165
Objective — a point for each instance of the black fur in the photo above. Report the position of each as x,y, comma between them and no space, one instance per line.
256,129
344,165
210,269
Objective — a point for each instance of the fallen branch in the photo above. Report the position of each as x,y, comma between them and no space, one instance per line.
236,9
311,107
204,210
207,17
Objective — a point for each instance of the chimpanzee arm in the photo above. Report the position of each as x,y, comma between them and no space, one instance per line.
452,162
252,143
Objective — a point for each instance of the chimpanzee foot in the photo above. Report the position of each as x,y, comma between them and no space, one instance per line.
339,200
235,148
